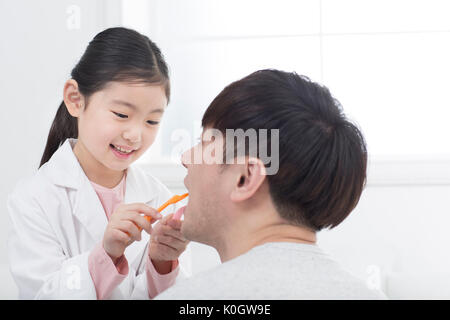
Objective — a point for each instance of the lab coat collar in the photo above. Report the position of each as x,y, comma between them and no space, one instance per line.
65,170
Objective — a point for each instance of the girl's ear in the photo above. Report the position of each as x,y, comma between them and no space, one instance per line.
251,178
73,99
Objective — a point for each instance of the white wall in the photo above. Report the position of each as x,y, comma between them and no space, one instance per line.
397,229
39,45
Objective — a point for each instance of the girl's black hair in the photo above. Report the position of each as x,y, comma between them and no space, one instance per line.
115,54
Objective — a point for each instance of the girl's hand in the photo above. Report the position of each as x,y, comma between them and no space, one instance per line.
166,243
122,229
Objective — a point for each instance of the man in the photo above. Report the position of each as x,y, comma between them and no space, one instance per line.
263,221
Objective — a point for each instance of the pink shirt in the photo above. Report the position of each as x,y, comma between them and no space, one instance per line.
107,276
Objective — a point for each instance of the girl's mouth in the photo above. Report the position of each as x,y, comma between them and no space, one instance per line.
120,154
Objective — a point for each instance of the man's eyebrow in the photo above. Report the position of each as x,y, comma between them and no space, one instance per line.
132,106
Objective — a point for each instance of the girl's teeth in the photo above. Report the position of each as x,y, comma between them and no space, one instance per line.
121,150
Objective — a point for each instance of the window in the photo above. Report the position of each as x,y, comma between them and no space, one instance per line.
385,61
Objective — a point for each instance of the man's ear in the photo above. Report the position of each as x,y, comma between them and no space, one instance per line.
73,99
250,180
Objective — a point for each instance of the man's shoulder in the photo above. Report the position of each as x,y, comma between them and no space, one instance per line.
275,271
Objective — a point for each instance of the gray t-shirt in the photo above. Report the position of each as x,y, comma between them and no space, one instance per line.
275,270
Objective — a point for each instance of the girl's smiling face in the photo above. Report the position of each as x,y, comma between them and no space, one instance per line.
121,115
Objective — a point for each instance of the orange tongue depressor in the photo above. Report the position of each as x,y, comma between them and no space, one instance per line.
172,200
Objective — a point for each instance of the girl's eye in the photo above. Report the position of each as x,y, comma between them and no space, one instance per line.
124,116
120,115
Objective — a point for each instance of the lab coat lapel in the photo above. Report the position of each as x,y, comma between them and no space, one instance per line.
64,170
138,188
89,210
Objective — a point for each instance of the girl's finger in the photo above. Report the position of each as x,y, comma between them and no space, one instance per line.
121,236
144,209
168,252
171,242
164,219
138,220
175,224
168,231
130,228
141,222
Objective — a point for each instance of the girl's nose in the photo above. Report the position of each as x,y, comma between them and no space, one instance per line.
133,135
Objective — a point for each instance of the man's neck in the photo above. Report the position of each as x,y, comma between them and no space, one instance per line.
242,240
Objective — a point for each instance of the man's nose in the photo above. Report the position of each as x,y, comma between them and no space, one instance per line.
186,158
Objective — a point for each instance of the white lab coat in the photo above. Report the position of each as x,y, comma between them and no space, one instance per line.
57,219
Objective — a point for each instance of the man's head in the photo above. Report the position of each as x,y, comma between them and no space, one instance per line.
321,159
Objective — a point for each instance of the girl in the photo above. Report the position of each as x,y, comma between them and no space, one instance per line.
76,224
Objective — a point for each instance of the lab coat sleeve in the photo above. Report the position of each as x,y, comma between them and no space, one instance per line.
38,264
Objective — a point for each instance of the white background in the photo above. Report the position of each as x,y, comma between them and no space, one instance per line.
385,61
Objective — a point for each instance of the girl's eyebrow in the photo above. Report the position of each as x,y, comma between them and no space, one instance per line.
132,106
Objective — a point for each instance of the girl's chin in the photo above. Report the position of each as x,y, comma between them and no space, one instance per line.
115,167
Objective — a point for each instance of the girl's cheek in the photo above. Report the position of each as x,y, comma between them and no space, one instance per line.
108,129
150,139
